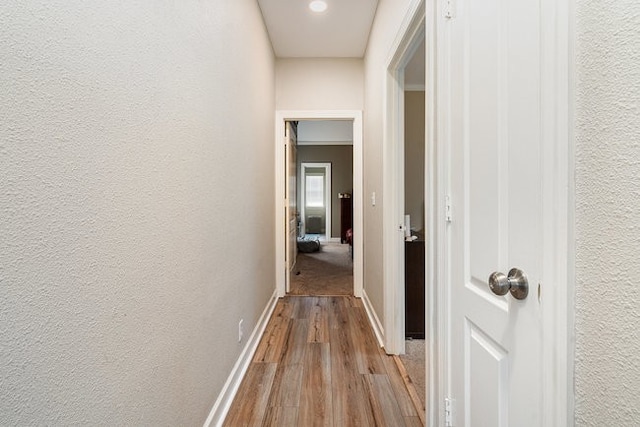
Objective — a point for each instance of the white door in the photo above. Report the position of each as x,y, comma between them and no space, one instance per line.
291,214
495,343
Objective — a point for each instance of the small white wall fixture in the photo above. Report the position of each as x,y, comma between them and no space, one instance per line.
327,193
358,221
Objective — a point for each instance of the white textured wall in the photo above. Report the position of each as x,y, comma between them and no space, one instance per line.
386,25
319,84
607,370
133,221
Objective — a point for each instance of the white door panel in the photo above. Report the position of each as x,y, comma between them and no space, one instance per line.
487,388
495,186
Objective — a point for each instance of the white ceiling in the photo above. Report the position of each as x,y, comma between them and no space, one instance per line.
325,132
341,31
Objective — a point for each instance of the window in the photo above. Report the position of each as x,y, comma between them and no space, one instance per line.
314,191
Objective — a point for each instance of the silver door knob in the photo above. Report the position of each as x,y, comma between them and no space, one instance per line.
516,283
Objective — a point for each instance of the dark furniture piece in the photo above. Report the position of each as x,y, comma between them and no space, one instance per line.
414,289
346,217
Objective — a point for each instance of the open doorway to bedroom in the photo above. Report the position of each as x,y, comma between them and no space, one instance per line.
324,161
337,150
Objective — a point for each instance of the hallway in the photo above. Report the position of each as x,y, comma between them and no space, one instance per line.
318,363
142,188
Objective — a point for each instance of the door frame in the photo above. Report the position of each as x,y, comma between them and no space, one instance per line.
358,221
557,150
411,35
327,196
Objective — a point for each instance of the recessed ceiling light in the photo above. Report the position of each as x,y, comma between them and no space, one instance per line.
318,6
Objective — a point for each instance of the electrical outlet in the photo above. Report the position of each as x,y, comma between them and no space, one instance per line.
240,330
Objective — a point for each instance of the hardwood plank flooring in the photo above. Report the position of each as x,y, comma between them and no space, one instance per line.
318,323
256,389
385,407
409,386
316,404
319,364
401,388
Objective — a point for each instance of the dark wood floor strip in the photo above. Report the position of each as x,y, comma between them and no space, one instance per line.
319,364
271,344
319,321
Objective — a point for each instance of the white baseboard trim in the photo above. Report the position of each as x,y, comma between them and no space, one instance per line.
335,240
225,398
378,329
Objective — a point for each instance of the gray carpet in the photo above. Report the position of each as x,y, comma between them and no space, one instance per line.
327,272
414,362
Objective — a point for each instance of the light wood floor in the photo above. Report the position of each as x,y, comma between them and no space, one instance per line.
319,364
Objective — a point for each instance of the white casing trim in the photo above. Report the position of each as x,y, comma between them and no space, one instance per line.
558,222
435,247
221,407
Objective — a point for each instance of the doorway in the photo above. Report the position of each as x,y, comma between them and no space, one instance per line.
324,266
354,118
407,225
400,174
